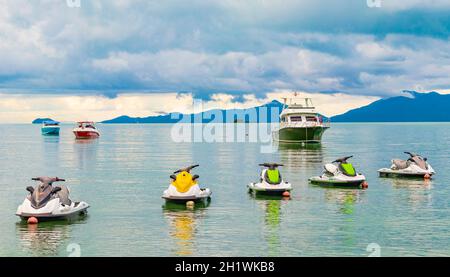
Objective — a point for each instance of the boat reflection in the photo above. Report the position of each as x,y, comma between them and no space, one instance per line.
51,149
51,139
43,239
86,152
183,225
301,155
299,146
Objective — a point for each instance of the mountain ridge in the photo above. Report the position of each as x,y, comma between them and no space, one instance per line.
239,115
419,107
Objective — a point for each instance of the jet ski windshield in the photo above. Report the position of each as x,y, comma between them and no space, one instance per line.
347,169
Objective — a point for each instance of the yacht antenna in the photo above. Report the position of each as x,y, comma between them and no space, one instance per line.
284,102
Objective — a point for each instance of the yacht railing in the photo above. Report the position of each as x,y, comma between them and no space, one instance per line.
303,124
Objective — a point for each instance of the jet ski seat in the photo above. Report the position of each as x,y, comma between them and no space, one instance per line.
63,196
400,164
347,169
273,176
420,162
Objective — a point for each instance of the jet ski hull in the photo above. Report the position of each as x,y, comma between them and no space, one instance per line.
201,195
336,183
25,211
387,172
259,188
51,217
182,199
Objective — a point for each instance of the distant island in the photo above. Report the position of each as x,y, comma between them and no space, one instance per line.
41,120
227,116
418,107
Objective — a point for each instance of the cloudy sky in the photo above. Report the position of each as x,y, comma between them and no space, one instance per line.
139,57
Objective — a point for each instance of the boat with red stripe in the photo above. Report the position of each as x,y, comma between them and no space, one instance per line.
86,130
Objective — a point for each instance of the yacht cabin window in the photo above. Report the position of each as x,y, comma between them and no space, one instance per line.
311,119
296,118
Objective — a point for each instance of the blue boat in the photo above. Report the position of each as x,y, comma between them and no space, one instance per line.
50,128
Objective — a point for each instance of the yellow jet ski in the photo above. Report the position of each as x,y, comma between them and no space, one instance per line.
184,187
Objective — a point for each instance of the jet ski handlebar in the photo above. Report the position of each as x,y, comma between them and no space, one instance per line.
52,179
342,160
413,155
187,169
271,165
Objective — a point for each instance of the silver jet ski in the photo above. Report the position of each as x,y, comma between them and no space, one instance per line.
270,181
414,166
48,202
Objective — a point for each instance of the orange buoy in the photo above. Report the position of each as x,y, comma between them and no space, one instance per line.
32,220
427,176
286,194
364,185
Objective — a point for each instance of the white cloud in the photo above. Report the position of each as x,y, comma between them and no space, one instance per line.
216,46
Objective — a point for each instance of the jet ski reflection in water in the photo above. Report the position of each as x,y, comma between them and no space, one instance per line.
48,202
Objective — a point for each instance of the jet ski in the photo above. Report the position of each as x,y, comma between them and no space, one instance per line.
184,187
270,181
47,202
414,166
340,173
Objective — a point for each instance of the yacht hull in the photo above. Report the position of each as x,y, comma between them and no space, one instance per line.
301,134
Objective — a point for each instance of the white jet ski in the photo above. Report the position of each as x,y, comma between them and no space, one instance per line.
270,181
341,175
184,187
415,166
48,202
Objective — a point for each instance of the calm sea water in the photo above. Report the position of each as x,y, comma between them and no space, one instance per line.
122,176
